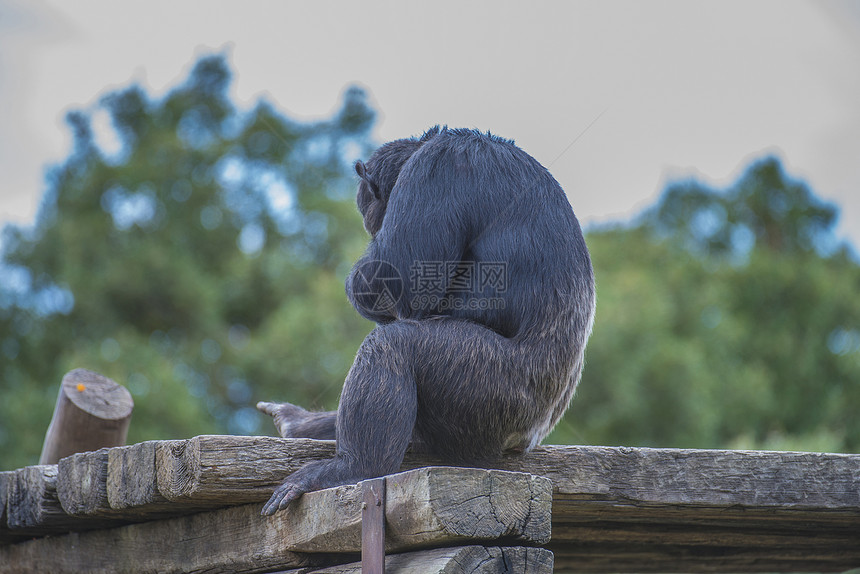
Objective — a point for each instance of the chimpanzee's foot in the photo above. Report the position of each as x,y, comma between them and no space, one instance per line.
295,422
284,415
312,476
282,497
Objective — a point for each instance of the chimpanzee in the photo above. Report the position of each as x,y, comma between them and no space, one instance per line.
479,279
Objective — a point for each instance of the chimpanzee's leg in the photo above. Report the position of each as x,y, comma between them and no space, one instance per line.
295,422
478,392
375,417
461,390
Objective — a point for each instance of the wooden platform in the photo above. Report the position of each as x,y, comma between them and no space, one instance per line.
612,510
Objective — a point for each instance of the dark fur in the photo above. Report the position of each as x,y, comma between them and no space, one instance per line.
464,381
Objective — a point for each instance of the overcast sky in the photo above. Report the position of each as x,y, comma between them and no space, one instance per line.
613,97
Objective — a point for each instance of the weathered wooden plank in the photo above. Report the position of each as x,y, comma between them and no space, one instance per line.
737,510
669,510
246,469
132,480
6,534
132,483
231,470
668,492
442,504
33,506
34,509
82,485
424,507
457,560
703,558
606,537
428,506
711,478
229,540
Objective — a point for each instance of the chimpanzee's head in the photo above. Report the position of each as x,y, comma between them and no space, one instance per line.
379,175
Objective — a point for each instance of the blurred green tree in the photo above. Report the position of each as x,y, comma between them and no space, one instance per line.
725,319
764,209
200,262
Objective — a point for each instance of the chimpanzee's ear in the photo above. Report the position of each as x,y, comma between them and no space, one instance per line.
361,170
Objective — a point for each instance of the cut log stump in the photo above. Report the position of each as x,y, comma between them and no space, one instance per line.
92,412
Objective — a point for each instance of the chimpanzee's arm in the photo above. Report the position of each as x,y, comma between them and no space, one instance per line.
406,269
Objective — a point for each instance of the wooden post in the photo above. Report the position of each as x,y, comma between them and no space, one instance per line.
373,526
92,412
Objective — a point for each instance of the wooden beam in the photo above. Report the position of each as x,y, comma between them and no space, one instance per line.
668,510
246,469
690,501
229,540
32,499
457,560
685,546
32,506
424,507
197,470
82,484
132,483
90,485
6,534
712,478
131,477
615,508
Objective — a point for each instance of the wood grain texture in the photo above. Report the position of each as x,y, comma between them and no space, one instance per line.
229,540
132,484
33,502
452,503
33,506
420,509
224,470
716,478
6,534
246,469
670,510
132,480
82,484
425,507
457,560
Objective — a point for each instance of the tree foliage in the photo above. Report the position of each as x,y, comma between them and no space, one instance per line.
726,318
198,257
764,209
201,263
